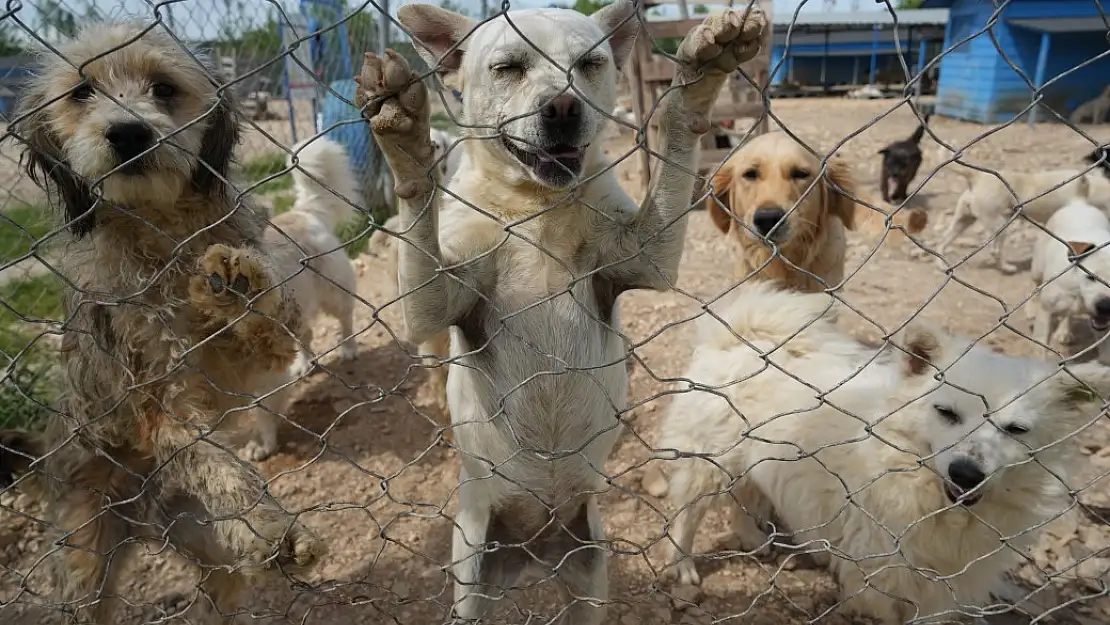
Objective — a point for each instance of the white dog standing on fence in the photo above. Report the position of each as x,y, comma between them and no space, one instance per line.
1072,265
531,306
918,492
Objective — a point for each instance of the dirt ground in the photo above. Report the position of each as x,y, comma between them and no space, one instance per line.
360,456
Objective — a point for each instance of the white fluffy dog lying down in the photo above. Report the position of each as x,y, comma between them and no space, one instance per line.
1073,287
920,517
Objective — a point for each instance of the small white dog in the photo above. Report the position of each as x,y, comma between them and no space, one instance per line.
527,287
1070,287
447,154
917,493
325,280
987,199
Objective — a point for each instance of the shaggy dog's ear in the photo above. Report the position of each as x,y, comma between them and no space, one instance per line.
45,163
437,34
221,135
620,19
840,191
719,197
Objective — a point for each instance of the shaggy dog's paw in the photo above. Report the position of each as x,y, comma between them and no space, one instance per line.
228,279
394,101
256,451
297,548
722,42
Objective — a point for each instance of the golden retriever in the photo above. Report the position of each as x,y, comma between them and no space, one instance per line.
788,217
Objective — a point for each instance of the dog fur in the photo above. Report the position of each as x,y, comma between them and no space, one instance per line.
528,286
1072,265
160,350
901,161
447,153
890,453
988,199
325,195
1100,157
788,221
1096,110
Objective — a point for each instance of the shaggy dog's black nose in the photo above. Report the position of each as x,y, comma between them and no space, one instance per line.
129,139
965,474
1102,307
765,219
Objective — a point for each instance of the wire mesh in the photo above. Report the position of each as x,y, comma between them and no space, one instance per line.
246,381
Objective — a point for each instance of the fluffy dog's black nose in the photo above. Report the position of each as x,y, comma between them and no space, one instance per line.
129,139
1102,307
766,218
965,474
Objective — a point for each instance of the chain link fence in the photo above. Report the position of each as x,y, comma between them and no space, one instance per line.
223,337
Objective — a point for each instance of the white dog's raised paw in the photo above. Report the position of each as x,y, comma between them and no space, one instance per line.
394,101
722,42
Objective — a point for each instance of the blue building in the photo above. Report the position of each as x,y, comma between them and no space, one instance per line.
1051,47
14,70
853,48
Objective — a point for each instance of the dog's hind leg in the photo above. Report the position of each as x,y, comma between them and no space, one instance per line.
220,590
998,251
582,572
472,522
962,219
86,568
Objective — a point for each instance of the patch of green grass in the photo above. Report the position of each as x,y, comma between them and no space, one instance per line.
263,167
355,234
28,364
21,226
442,121
283,204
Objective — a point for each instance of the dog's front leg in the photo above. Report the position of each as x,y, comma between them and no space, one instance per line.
647,253
395,104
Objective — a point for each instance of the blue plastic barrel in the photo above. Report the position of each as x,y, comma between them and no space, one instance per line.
353,136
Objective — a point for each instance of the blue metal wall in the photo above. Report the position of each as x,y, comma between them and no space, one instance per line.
841,64
977,83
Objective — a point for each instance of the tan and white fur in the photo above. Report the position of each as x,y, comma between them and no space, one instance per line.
1040,194
918,492
176,321
326,193
1071,264
527,285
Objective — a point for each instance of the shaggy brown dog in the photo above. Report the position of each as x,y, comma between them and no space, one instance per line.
790,224
175,322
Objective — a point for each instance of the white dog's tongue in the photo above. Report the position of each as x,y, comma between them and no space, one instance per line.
551,155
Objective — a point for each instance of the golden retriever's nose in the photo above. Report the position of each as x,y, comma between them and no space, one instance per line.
764,219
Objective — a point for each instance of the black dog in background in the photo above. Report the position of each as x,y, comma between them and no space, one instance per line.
1101,154
901,160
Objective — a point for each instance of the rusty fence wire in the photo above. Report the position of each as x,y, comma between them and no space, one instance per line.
335,312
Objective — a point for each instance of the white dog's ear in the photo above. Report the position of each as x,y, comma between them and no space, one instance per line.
621,23
437,33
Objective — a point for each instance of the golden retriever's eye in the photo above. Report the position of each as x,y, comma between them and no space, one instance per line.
799,173
948,414
751,174
1016,430
83,93
163,91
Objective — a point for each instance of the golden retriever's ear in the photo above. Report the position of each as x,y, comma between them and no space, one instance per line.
721,184
840,191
